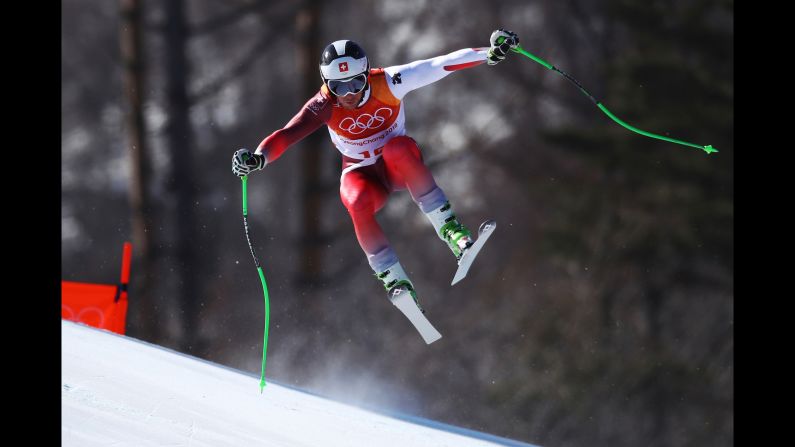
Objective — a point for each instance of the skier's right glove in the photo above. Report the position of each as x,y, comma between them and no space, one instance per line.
244,162
502,41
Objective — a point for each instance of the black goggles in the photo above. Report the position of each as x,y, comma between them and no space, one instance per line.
345,87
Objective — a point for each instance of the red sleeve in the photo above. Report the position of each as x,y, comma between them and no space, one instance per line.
314,114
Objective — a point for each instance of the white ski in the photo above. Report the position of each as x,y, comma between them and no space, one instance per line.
485,230
403,301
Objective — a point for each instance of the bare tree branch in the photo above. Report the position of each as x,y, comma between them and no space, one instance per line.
243,64
241,67
223,20
216,23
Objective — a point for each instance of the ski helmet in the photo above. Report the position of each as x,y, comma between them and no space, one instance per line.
344,67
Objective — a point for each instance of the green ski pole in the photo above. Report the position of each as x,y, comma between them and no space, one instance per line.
262,279
708,148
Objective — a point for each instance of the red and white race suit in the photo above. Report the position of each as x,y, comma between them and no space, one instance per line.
377,156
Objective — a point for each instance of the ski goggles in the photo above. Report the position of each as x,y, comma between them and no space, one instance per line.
345,87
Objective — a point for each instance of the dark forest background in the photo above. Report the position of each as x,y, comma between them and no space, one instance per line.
600,313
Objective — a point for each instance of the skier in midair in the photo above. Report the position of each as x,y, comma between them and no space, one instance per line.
363,110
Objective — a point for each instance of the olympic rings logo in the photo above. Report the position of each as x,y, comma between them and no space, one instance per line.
89,315
365,121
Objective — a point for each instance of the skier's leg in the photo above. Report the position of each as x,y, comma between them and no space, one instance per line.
406,169
363,196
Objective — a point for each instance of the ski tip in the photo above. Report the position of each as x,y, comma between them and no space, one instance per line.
488,225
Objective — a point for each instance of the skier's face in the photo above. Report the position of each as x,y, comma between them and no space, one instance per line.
349,102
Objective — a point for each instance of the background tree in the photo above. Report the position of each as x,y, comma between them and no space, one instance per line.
140,168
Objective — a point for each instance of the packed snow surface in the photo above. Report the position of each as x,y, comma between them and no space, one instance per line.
118,391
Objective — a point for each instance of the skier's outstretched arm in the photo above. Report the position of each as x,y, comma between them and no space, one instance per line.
314,114
411,76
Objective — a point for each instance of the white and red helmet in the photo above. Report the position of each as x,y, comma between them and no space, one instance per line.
343,59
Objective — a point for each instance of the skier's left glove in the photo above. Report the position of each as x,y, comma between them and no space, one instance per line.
502,41
244,162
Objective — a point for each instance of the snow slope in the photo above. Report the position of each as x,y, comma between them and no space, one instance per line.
118,391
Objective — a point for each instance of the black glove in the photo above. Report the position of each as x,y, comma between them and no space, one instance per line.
502,41
244,162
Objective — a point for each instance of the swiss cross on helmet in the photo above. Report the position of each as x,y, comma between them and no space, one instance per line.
344,67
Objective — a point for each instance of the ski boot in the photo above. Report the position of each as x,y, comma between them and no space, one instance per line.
457,237
396,282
